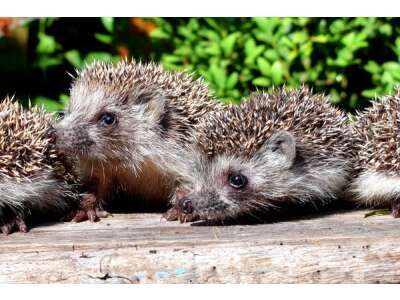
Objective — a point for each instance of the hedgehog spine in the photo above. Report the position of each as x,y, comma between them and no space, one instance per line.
34,180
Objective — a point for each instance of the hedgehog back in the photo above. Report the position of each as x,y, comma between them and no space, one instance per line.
25,151
376,135
241,130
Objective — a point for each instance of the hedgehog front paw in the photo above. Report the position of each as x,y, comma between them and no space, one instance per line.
15,225
176,213
89,210
93,215
172,214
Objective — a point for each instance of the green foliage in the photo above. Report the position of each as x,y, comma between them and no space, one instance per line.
50,104
50,52
351,59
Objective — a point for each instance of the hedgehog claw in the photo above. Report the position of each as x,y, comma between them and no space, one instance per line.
186,218
93,215
16,225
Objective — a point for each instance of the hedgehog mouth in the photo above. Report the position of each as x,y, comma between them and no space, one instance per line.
77,152
215,214
199,217
204,214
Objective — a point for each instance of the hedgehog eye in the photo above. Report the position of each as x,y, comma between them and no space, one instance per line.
60,115
107,119
237,181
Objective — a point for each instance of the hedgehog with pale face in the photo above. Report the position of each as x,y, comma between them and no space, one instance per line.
376,135
287,147
35,180
126,124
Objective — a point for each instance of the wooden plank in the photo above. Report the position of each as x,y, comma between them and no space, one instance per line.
142,248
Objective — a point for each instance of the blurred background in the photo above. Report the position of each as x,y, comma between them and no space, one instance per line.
351,59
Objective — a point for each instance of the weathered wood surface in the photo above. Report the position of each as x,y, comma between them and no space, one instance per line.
142,248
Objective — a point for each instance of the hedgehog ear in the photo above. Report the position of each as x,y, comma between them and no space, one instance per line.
156,105
153,102
281,147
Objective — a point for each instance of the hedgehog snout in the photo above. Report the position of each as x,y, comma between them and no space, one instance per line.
201,203
72,140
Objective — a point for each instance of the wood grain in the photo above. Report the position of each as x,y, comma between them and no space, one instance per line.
143,248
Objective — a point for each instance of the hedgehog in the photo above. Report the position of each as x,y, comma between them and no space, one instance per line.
126,124
376,147
35,180
286,149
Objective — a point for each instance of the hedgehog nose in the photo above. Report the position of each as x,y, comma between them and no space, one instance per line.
51,134
187,206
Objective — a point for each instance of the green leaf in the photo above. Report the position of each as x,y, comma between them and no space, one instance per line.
108,23
104,38
210,35
306,49
299,37
396,48
387,78
320,39
392,66
271,54
261,81
64,99
252,51
371,93
185,32
219,76
264,66
228,44
212,22
232,80
169,58
277,72
213,49
159,33
372,67
101,56
185,50
45,61
74,58
385,29
47,44
194,24
338,26
49,104
349,39
266,24
250,47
